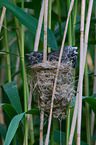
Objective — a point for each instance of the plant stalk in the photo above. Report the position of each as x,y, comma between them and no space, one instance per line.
49,18
68,124
7,49
94,85
69,43
69,27
8,60
85,50
54,87
80,73
80,79
31,130
88,126
45,30
41,125
74,22
24,76
59,18
37,38
2,17
52,133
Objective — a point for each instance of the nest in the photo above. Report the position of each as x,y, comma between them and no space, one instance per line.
43,75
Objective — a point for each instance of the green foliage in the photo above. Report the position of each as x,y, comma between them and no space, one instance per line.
30,22
57,135
9,109
12,128
12,93
91,102
3,130
14,125
13,112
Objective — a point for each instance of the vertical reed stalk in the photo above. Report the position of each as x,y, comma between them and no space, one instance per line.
85,50
52,133
49,12
69,43
49,50
88,126
59,17
41,125
37,38
87,26
30,119
87,29
31,130
17,31
18,42
45,30
24,76
80,72
68,124
85,46
7,49
44,59
2,17
8,60
69,26
49,18
80,80
20,51
73,43
74,22
74,119
50,116
94,85
94,92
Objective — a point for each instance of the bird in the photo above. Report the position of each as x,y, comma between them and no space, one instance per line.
69,54
35,57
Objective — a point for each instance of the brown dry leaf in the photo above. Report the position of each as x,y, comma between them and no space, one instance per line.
89,61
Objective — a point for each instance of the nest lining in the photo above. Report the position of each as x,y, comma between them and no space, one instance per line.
43,75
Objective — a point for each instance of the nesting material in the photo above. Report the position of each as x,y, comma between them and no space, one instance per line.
43,76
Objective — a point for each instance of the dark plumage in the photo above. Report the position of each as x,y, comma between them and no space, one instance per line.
69,54
35,57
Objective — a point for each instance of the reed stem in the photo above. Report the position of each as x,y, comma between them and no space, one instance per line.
8,60
94,85
88,126
69,27
45,30
59,18
68,124
54,87
7,50
24,76
37,38
41,125
74,22
49,18
80,73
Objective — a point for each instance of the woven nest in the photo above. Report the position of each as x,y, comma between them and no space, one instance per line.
43,75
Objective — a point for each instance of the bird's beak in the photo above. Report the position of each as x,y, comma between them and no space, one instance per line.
75,52
75,48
